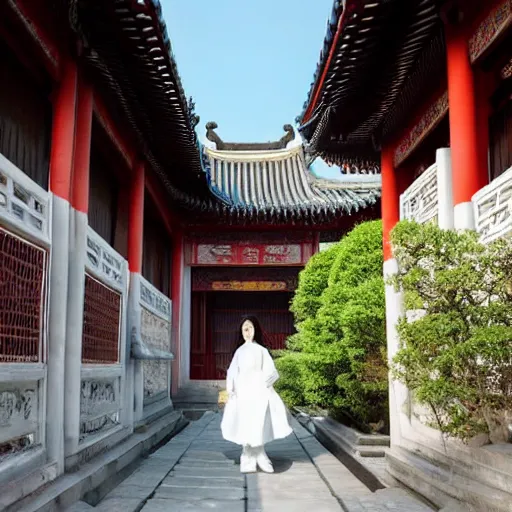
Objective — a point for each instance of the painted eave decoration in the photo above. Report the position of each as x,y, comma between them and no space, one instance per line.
370,68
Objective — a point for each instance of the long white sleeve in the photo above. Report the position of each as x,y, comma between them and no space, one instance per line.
269,369
231,374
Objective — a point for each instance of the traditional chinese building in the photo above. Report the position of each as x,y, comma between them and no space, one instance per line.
422,89
246,257
127,249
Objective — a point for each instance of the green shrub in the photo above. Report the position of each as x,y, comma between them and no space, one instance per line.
456,359
312,282
337,359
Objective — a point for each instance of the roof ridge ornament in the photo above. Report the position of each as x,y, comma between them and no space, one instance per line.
212,136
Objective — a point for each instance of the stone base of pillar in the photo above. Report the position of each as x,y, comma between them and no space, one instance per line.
398,393
464,216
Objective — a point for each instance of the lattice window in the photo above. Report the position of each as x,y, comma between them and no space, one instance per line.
102,322
22,299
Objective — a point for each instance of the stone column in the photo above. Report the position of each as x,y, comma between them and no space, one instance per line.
394,299
444,188
61,162
135,377
468,177
78,223
176,294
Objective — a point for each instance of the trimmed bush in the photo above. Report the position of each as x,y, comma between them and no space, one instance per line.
337,360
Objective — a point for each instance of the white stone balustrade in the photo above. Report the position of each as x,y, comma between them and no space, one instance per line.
25,217
493,208
156,333
102,387
420,201
25,207
430,197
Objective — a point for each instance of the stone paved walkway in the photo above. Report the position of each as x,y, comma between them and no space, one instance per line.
198,470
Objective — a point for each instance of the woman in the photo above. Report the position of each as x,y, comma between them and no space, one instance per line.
254,414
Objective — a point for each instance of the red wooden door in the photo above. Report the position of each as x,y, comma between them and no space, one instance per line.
200,346
215,321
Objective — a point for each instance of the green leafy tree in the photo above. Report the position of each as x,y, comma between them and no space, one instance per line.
337,360
456,358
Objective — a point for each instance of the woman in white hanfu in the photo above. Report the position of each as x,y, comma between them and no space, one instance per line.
254,414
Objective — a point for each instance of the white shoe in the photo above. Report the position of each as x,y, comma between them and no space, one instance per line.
263,462
247,462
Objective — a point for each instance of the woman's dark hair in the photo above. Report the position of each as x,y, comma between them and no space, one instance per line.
258,332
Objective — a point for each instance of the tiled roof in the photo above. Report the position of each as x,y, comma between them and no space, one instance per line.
278,184
129,53
370,52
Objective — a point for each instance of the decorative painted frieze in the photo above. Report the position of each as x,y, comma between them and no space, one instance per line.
104,261
493,208
245,279
497,21
22,201
242,253
420,201
19,409
426,124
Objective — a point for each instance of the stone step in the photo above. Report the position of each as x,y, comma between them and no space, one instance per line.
349,440
394,499
445,487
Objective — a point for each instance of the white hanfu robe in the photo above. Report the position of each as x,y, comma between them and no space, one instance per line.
254,414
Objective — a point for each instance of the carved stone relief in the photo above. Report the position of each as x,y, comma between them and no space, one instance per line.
99,405
155,333
19,416
420,201
154,299
494,208
19,202
103,259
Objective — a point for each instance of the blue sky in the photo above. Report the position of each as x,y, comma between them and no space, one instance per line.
248,64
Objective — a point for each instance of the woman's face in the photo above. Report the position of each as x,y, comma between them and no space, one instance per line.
248,330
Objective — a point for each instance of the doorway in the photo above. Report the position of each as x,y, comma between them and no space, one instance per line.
215,320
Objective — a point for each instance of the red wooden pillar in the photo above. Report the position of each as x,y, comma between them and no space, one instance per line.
176,293
82,160
390,198
61,165
467,172
63,132
136,219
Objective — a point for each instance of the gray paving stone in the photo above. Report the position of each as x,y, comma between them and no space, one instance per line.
173,505
198,471
294,505
205,472
200,493
119,505
195,482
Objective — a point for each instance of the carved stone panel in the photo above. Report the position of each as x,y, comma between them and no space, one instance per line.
493,205
104,261
23,201
156,333
100,401
420,201
19,410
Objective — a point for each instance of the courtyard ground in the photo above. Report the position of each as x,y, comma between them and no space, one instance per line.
197,470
